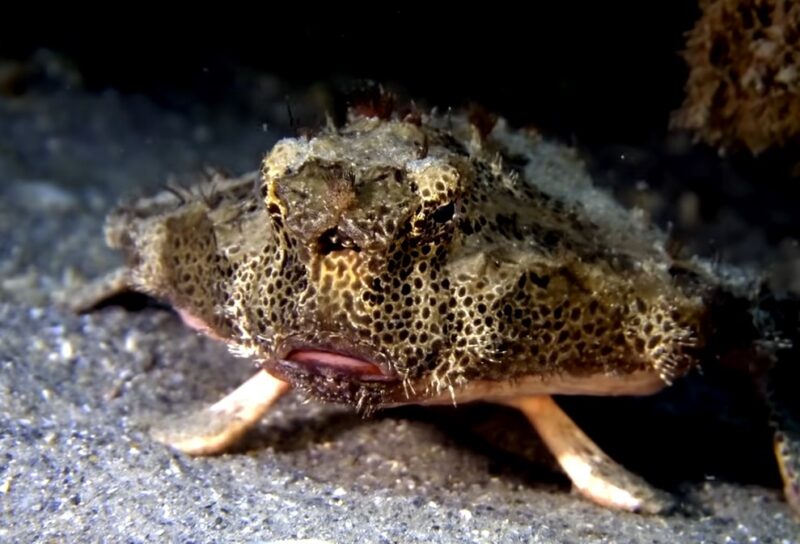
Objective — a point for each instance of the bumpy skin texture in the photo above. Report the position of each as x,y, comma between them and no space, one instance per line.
744,80
443,258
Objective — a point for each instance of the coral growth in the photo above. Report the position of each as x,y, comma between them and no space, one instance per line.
744,80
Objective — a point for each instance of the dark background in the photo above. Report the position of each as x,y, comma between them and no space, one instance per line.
602,76
595,71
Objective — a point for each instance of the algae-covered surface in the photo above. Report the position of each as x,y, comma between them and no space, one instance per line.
78,392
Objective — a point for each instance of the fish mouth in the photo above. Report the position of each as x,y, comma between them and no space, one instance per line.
332,359
333,369
336,364
334,375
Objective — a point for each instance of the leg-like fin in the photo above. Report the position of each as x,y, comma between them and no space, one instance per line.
787,451
98,291
781,389
595,475
214,429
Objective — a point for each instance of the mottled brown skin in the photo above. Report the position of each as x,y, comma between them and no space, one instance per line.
443,263
418,251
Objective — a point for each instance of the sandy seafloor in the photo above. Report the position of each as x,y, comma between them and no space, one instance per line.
77,393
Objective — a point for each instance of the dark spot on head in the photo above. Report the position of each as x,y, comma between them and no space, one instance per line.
540,281
444,213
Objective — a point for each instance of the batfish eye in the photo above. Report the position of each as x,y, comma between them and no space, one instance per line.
445,213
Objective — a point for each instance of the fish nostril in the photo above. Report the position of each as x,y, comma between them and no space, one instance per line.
332,240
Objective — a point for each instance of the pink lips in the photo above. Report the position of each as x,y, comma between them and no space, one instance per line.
336,361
